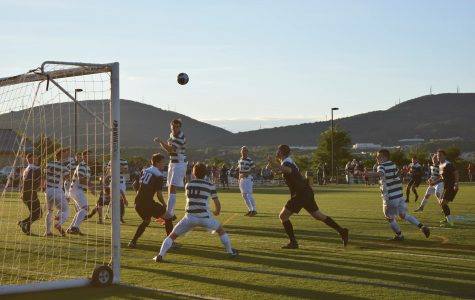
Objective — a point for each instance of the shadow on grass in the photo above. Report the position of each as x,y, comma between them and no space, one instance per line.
115,291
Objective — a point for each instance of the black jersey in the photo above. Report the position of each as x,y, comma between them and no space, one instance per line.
31,179
416,170
297,184
151,181
447,172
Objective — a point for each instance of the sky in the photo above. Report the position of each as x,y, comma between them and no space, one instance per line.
254,64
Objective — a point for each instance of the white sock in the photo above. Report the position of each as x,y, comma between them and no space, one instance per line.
226,242
423,203
171,204
395,226
167,243
63,216
79,217
246,200
412,220
49,220
252,202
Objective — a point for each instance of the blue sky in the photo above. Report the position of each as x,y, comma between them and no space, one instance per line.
254,63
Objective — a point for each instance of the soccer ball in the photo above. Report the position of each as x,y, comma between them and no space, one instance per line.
182,78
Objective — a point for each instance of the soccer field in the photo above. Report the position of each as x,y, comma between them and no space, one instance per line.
442,266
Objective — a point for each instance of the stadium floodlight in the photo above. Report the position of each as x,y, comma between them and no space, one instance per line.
42,101
332,161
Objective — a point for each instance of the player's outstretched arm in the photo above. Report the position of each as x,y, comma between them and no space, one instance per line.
217,206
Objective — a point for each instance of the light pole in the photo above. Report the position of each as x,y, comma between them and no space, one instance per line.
333,109
76,91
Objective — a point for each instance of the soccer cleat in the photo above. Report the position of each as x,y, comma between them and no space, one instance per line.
158,258
48,234
60,229
23,227
132,244
397,238
344,236
426,231
252,213
233,254
291,245
247,214
419,209
74,231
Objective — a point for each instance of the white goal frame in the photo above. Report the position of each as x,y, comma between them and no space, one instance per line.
77,69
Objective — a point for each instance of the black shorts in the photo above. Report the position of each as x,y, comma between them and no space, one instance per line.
449,194
103,201
306,201
152,209
416,181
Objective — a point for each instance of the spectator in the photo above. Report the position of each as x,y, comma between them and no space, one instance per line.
223,176
471,171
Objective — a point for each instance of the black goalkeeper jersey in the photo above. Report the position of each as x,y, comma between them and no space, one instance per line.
151,181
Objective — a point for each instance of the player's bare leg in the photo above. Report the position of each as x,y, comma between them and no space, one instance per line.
413,220
343,232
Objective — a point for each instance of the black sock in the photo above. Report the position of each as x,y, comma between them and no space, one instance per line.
122,210
289,229
446,209
140,230
92,213
168,226
329,221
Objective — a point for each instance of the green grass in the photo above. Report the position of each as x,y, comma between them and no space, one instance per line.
442,266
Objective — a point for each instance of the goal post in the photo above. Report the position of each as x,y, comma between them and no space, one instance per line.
37,127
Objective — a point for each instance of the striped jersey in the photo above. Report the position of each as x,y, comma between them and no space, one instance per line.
178,144
390,182
81,171
434,172
416,169
245,165
124,169
56,171
198,192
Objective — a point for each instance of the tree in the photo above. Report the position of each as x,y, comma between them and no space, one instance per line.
304,162
399,157
341,145
453,153
420,153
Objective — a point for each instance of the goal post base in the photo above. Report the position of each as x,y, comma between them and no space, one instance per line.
44,286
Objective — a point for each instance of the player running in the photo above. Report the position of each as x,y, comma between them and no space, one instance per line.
245,167
198,214
450,177
302,196
415,169
31,183
151,183
436,185
79,186
394,204
56,172
175,146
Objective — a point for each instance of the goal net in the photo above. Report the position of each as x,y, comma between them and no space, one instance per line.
59,153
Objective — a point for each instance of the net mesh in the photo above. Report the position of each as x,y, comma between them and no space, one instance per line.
37,117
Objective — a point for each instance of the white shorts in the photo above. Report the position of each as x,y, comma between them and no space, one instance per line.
55,198
79,197
437,189
189,222
394,208
176,174
245,185
123,187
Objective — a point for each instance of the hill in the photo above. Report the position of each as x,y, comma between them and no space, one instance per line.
428,117
140,123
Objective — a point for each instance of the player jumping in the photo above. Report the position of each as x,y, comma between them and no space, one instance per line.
245,167
302,196
175,146
394,204
436,185
151,183
198,192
